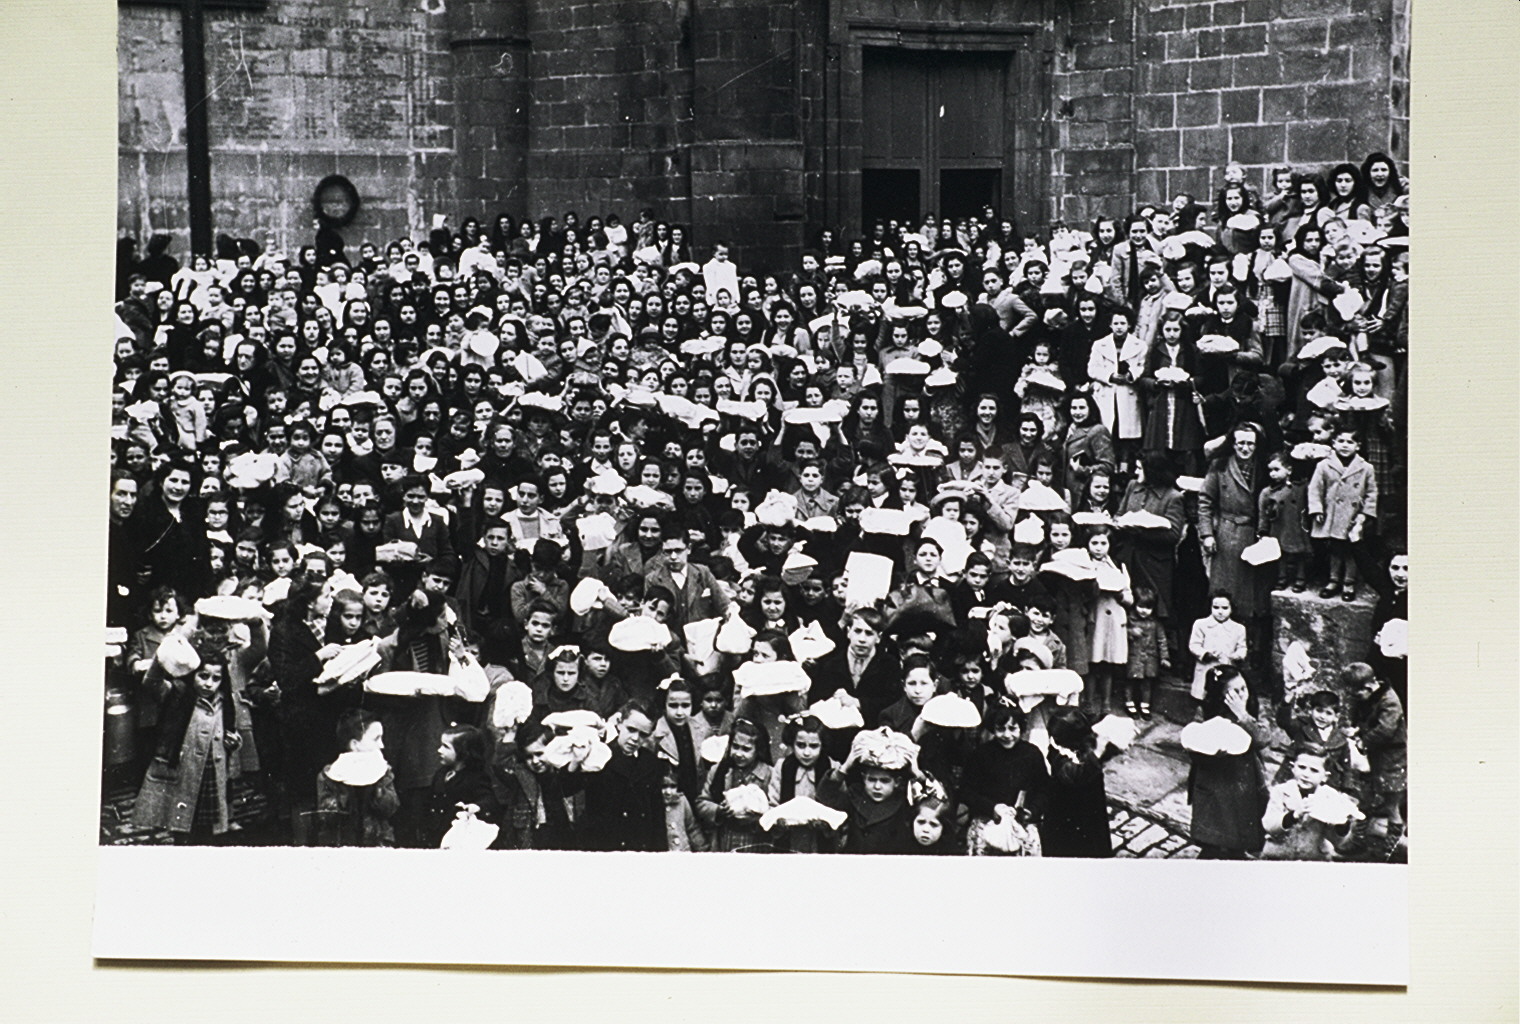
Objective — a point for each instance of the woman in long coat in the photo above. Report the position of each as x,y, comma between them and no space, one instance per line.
1151,553
1227,510
1229,791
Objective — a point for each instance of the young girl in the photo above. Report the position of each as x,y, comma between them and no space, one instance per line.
932,826
1005,775
1075,822
163,615
1040,386
463,782
769,710
558,687
683,832
746,762
356,794
673,738
1216,640
1283,514
185,790
1148,653
1110,642
1227,790
713,717
805,771
1342,497
1371,416
184,412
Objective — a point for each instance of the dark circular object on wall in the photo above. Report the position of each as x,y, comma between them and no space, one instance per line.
336,200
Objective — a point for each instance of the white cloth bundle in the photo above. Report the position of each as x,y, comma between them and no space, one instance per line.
350,663
177,656
884,748
1296,664
1263,551
1114,731
810,642
1142,520
230,608
713,748
1215,736
469,833
514,703
734,635
951,711
358,768
1217,345
802,810
582,746
639,633
748,799
1037,497
1332,807
396,551
1043,682
755,679
835,714
1393,638
588,594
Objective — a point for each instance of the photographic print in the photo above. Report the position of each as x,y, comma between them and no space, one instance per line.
865,429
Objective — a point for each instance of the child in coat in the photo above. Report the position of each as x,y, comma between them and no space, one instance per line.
1342,496
745,763
185,790
357,791
673,738
1291,833
1282,513
805,771
1217,639
683,831
1110,641
1148,652
164,614
1075,822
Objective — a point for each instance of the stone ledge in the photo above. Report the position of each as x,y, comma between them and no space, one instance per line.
1335,633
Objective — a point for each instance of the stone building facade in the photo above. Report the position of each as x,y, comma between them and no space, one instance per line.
754,122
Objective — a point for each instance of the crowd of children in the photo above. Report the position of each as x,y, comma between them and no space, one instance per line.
546,535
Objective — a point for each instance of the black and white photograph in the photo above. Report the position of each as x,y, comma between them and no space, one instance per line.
864,428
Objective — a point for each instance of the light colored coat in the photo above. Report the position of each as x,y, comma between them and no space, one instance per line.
1341,492
1118,404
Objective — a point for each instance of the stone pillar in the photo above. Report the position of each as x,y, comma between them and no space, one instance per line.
489,43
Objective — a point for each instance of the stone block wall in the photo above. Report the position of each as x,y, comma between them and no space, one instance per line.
610,118
1094,111
739,118
301,90
1304,83
1179,88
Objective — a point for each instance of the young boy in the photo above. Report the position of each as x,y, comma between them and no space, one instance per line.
356,794
1342,497
1292,832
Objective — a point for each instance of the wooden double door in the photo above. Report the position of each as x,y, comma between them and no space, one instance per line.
936,133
